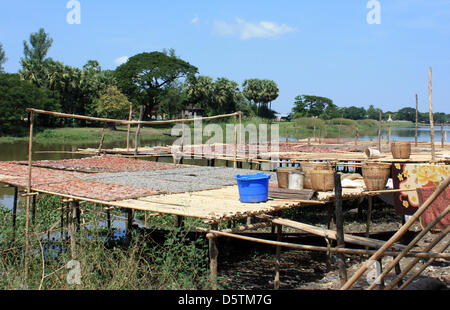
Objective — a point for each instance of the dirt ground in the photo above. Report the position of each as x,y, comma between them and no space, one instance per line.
246,266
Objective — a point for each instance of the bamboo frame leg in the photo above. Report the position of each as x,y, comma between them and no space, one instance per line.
108,219
435,241
14,212
130,218
369,216
33,210
73,208
424,231
27,210
62,224
213,254
398,234
421,269
340,228
276,282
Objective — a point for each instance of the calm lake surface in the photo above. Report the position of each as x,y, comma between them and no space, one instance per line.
19,151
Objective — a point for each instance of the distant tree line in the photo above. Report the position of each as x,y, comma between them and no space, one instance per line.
161,82
324,108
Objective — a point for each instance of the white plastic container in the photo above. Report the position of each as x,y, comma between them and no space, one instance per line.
296,180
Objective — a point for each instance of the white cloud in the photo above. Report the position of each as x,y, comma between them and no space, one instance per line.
195,20
247,30
121,60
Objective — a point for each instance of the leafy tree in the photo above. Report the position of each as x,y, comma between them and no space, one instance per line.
224,97
406,114
172,100
373,113
16,95
261,92
354,113
314,106
3,58
40,44
111,103
143,77
199,90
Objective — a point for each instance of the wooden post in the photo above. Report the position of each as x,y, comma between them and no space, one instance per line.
417,121
320,135
340,128
74,209
356,135
33,210
340,227
102,138
108,219
62,223
14,211
27,209
430,90
129,127
442,136
369,217
276,282
130,215
379,132
136,138
235,142
213,254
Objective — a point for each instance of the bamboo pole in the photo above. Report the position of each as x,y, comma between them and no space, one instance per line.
276,282
213,254
124,122
339,227
430,90
130,115
435,241
317,248
102,138
14,211
357,240
398,234
235,142
423,267
411,245
417,121
138,131
27,209
379,131
442,136
369,216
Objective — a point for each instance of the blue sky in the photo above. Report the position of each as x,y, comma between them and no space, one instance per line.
317,47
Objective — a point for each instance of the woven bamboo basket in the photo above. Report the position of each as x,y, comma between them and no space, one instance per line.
322,180
283,175
376,175
401,150
308,167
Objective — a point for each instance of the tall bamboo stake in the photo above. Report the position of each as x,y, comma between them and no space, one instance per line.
430,90
235,142
27,210
340,227
14,211
398,234
276,282
136,138
442,136
379,132
129,127
417,121
213,254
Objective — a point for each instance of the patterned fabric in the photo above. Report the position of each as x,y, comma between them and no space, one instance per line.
436,208
412,176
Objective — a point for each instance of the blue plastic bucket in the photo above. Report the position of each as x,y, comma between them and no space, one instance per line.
253,188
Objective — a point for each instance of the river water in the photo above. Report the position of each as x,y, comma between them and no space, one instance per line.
19,150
